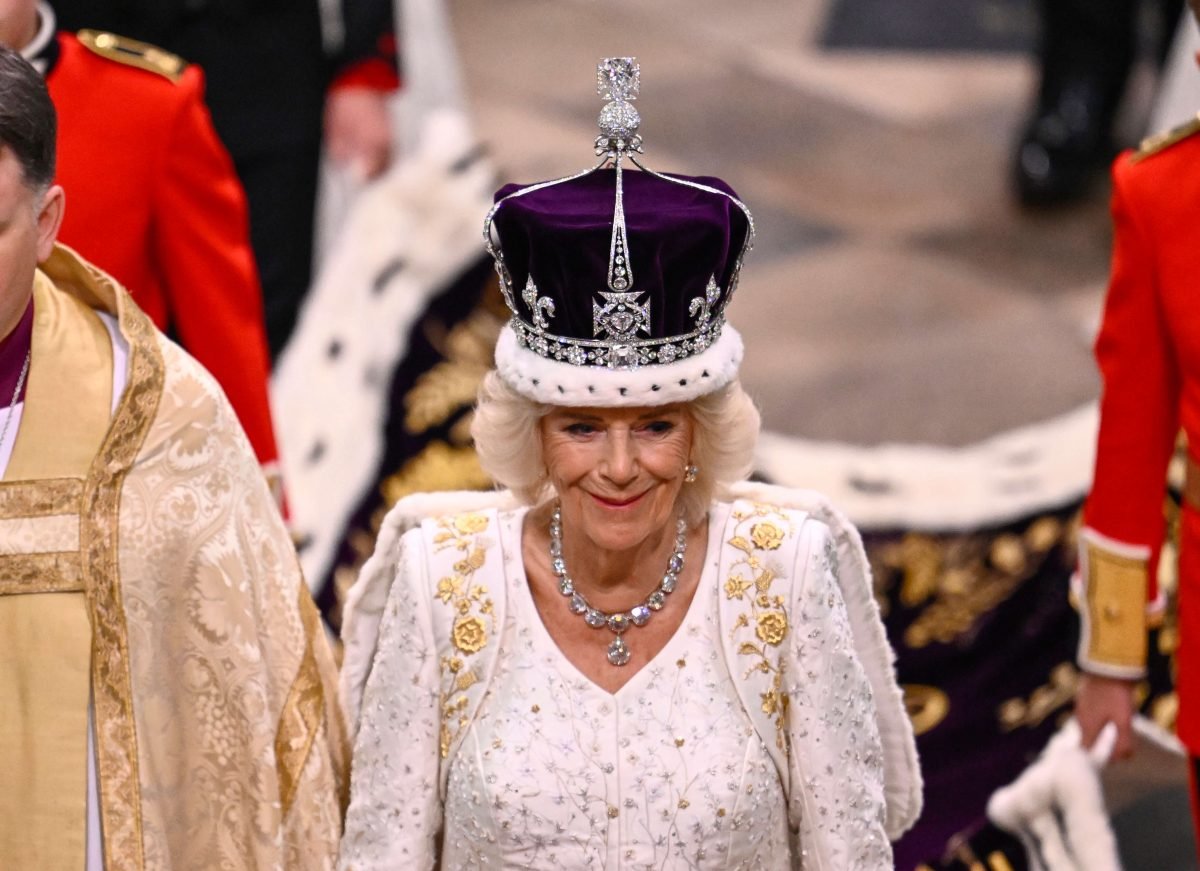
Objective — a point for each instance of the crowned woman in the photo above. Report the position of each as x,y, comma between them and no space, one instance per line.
629,658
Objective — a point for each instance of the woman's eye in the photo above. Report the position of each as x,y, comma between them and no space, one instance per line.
580,429
658,427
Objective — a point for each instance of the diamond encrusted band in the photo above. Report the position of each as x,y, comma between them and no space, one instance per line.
615,355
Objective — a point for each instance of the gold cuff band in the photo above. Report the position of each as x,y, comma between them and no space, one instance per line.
1115,610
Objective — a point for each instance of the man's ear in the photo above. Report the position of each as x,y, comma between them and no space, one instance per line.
49,220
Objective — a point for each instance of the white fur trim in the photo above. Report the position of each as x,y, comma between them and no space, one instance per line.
330,411
557,383
1056,807
943,489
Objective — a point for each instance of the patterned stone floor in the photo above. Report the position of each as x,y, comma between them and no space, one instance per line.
896,293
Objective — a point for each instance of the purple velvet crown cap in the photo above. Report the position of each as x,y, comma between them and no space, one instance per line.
618,279
678,238
684,242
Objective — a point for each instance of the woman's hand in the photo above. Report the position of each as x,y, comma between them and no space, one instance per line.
1100,700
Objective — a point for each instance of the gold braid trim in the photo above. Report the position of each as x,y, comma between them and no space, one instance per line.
116,733
1152,145
470,604
1116,608
44,498
302,712
128,51
53,572
764,624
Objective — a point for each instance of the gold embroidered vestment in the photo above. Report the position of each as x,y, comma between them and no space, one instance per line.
143,564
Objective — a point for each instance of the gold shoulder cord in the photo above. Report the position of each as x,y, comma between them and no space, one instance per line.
1152,145
133,53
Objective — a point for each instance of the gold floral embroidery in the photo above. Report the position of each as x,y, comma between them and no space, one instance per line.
467,601
750,581
470,524
470,635
766,536
448,588
438,466
736,587
772,626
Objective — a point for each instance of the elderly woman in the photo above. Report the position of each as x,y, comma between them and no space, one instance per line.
621,661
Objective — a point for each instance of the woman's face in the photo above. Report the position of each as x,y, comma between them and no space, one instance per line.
618,471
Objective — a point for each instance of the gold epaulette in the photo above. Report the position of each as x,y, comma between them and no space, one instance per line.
1152,145
133,53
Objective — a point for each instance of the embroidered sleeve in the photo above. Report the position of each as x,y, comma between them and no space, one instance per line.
837,777
395,808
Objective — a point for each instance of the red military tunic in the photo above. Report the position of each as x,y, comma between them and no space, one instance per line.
1149,355
152,198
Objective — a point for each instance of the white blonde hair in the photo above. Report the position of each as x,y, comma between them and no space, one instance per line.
508,441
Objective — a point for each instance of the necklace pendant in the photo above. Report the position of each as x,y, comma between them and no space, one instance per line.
619,622
618,652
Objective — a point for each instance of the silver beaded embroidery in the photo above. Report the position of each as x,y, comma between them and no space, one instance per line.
554,773
667,773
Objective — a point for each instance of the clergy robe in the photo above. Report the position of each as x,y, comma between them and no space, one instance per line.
148,585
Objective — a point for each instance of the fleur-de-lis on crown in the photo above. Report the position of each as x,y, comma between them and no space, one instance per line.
536,305
701,306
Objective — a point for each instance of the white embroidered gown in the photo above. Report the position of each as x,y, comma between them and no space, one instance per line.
668,772
552,772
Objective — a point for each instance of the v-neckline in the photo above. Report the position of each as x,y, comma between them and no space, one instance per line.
563,662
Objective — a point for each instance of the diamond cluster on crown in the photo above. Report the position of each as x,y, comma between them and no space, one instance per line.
618,80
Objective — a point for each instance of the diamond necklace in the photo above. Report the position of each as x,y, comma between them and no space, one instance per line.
617,621
16,393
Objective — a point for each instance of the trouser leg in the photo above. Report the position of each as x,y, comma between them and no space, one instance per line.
281,188
1194,777
1085,54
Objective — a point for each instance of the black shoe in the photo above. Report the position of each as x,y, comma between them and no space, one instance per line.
1065,148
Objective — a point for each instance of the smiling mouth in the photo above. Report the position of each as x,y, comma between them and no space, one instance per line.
617,503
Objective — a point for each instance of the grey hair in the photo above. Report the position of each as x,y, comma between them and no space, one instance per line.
509,444
28,123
